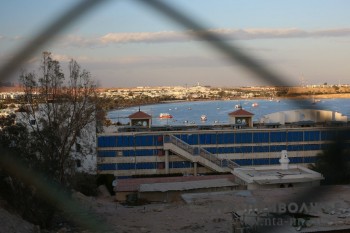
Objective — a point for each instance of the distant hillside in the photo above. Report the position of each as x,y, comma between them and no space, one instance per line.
296,91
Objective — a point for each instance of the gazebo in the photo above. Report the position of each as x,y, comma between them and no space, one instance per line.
140,119
241,117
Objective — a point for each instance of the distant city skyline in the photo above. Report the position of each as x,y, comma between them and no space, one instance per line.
125,44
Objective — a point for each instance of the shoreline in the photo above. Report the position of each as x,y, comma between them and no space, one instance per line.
319,96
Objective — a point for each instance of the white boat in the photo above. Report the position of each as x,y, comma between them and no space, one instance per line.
165,116
203,118
315,101
238,106
255,105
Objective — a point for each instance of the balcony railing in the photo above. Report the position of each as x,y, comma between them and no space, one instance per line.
198,151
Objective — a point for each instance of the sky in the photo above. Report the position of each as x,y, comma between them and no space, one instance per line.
125,43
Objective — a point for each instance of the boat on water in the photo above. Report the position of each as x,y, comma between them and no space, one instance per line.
203,118
238,106
165,116
255,105
315,101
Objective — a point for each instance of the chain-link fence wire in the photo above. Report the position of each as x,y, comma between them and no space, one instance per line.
236,55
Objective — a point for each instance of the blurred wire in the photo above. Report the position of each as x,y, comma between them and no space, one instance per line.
53,194
48,33
215,41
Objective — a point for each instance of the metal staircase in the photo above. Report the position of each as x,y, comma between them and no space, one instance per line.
198,154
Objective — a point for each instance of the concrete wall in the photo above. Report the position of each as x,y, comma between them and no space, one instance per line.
173,196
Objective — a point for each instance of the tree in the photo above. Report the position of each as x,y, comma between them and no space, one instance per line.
58,108
333,162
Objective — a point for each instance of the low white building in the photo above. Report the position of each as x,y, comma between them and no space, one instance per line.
279,176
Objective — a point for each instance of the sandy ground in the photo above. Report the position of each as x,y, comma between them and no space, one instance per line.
211,212
10,223
203,212
167,217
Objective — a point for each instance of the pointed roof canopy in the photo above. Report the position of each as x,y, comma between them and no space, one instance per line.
140,115
241,112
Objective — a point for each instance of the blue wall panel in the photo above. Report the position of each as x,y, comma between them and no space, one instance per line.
146,140
278,137
277,148
328,135
126,166
244,162
309,159
295,136
296,159
295,147
258,149
259,137
126,141
158,140
192,139
220,138
228,138
308,147
106,153
107,141
146,165
106,166
207,138
312,135
129,153
274,161
244,137
243,149
213,150
262,161
179,164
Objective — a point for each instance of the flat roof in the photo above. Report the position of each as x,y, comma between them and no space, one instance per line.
187,185
275,174
133,184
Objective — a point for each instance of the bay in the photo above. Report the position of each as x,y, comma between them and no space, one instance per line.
217,111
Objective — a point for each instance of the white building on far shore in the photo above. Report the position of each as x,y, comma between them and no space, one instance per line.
291,116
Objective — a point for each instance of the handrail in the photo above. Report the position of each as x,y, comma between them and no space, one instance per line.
178,142
201,152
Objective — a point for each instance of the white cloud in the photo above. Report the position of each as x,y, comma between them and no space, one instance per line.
78,41
186,36
10,38
228,34
148,37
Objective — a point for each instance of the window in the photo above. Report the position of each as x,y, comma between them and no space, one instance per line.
78,147
78,163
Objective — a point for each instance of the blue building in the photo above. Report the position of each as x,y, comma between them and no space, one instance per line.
209,149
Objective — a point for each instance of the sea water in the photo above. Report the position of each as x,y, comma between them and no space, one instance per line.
185,113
